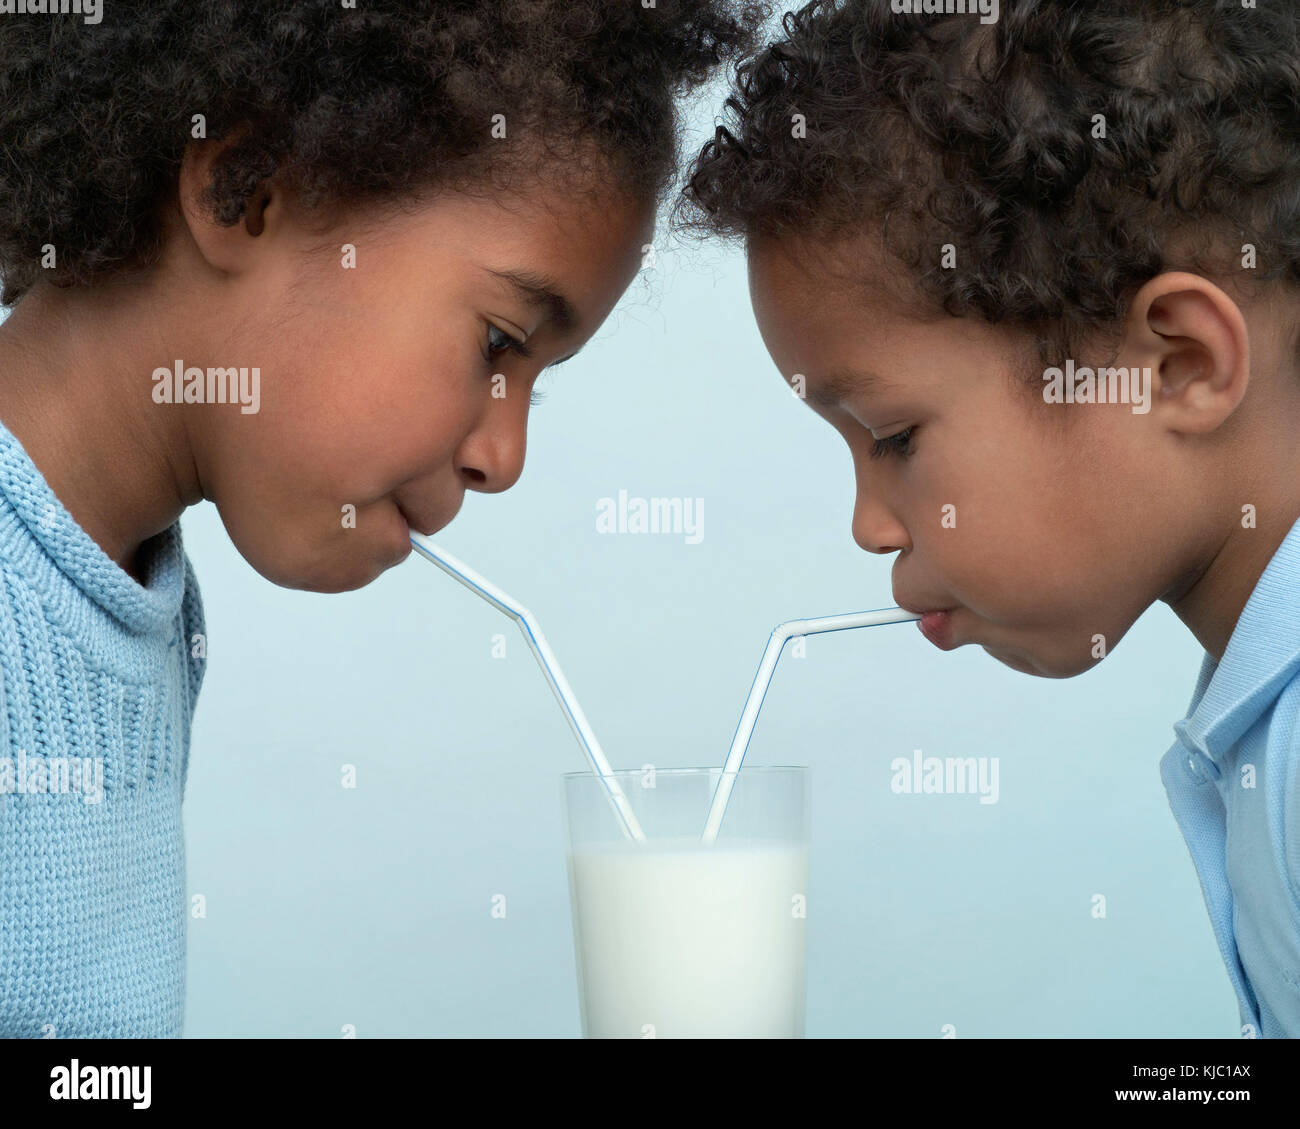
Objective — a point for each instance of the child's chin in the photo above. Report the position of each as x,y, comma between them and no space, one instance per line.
341,573
1057,667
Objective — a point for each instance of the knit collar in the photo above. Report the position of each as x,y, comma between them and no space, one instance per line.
55,534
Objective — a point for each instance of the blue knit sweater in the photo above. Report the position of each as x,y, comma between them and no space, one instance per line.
100,677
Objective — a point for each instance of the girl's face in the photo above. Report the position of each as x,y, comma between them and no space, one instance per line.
1037,538
396,374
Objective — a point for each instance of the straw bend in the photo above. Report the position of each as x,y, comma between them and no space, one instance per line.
550,665
782,633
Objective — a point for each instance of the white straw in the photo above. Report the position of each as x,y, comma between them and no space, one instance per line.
550,667
781,635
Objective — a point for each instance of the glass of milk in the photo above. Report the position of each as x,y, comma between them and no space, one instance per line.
675,939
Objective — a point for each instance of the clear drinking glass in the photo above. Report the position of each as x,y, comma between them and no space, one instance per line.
675,939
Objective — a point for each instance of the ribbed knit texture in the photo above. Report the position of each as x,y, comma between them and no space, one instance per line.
92,895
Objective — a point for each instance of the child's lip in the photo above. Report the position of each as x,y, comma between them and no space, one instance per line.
406,517
428,529
935,623
937,627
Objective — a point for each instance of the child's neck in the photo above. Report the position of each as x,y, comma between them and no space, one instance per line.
75,389
1211,595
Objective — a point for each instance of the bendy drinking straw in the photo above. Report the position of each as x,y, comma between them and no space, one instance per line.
550,667
781,635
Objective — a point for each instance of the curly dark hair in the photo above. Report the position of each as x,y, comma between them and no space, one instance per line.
370,102
942,129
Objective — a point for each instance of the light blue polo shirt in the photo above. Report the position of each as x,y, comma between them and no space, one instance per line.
1233,779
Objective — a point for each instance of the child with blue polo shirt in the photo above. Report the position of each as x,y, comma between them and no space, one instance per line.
1040,273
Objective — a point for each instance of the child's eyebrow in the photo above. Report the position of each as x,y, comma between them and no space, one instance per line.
839,385
542,293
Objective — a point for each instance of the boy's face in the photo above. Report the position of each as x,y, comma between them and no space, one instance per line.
390,388
1038,537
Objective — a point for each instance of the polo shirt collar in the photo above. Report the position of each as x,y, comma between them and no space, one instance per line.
1262,655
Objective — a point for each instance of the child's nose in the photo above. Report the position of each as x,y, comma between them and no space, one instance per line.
875,528
491,458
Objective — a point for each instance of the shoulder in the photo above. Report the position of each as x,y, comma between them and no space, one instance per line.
1284,753
194,631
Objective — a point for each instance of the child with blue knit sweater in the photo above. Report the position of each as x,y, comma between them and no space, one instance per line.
303,260
1040,273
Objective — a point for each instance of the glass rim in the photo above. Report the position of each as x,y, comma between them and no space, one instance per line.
590,774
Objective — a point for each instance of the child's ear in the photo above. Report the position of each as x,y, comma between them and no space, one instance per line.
1193,338
228,249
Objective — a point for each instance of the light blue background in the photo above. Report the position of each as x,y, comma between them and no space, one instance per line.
371,907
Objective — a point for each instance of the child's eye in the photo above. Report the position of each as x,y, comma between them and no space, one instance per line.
498,340
899,445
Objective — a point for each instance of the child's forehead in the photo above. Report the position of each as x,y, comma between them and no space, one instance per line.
853,334
850,275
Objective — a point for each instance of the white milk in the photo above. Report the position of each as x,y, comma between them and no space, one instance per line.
693,941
